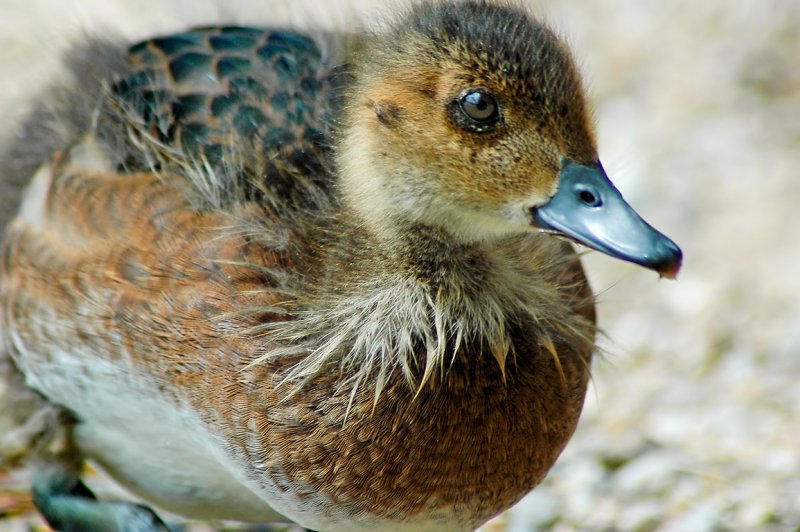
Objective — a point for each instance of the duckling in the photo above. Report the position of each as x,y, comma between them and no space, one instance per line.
270,277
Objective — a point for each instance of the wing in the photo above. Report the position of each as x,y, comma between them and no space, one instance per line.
254,106
122,303
110,256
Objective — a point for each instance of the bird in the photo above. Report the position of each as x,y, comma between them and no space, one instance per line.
267,274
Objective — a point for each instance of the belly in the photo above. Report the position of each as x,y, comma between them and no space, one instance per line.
164,454
157,450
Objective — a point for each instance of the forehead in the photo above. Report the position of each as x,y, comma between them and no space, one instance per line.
491,38
510,52
503,45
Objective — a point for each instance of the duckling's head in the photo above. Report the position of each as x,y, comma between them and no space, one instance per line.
471,117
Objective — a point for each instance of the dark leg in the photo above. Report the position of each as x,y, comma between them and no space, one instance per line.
69,506
39,433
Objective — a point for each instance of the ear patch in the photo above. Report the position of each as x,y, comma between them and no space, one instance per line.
388,113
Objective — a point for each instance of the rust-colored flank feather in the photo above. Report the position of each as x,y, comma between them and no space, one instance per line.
266,281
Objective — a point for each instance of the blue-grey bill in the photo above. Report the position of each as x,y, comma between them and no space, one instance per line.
590,210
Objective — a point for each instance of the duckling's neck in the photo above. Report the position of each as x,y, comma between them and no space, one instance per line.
434,257
379,308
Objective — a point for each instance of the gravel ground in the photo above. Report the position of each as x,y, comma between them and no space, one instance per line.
692,422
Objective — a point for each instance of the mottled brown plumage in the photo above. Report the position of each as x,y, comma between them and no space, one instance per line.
358,328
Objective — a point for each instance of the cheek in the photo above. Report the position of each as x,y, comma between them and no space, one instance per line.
478,175
508,171
530,164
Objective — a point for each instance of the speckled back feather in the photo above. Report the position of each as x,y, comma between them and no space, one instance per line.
250,108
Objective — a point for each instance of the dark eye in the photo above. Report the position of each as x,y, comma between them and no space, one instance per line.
480,106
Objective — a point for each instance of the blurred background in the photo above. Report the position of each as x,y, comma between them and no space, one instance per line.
693,418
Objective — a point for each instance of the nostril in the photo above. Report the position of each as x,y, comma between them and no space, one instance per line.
589,198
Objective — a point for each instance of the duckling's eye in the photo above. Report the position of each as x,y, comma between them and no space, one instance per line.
480,106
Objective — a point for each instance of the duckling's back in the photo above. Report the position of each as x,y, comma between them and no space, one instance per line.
248,109
216,94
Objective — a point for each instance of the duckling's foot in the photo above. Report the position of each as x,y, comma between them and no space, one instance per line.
69,506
